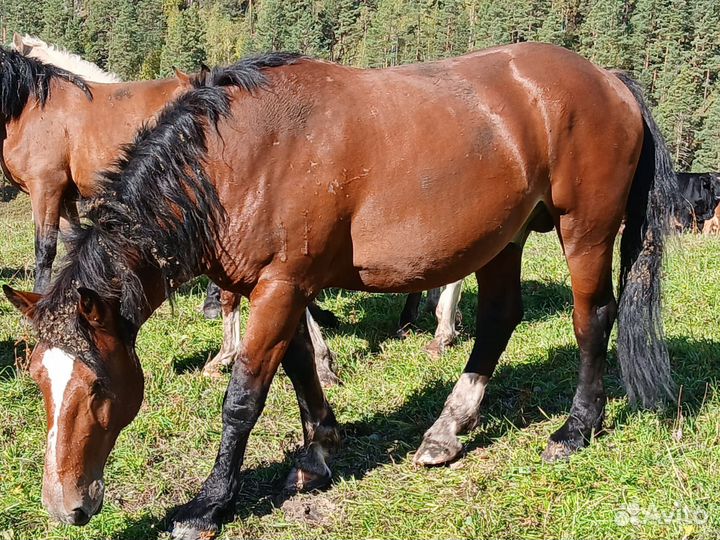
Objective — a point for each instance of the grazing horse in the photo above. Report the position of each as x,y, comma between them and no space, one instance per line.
36,48
287,175
54,151
700,195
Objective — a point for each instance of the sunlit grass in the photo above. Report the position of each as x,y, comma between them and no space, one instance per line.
392,393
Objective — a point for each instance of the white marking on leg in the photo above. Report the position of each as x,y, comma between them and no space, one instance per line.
324,357
446,311
59,367
236,334
463,403
460,414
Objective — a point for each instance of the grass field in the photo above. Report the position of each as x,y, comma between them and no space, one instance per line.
654,474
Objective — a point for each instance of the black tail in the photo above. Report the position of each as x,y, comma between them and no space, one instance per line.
642,352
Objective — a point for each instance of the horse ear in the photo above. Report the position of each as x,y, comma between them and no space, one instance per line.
183,77
204,73
91,307
20,45
24,301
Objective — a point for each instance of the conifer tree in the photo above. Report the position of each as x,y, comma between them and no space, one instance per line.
707,157
184,41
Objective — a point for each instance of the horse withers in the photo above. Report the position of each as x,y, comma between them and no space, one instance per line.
291,175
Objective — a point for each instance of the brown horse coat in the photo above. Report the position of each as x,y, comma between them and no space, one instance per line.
355,177
298,175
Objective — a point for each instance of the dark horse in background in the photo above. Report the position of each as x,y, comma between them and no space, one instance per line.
286,175
700,199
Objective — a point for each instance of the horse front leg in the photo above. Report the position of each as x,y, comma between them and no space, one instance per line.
275,312
409,314
212,306
46,202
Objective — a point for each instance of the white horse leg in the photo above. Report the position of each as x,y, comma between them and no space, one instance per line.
446,313
433,298
232,338
324,357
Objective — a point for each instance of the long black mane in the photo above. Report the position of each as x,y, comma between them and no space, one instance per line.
23,78
156,209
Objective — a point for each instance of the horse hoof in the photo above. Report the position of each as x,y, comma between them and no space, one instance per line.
434,349
301,481
558,451
212,372
192,531
402,333
434,452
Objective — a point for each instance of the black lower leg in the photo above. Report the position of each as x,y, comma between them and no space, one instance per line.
593,323
244,401
409,314
320,429
45,251
212,308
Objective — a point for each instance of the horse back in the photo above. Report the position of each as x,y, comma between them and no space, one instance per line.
374,169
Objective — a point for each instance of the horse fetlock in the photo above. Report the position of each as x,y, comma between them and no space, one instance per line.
574,435
440,344
327,376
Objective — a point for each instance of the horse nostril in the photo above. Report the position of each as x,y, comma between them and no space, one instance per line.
78,517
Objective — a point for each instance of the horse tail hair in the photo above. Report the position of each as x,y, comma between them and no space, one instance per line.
641,348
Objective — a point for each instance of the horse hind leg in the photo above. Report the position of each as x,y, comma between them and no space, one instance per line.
447,314
320,430
232,336
594,313
498,314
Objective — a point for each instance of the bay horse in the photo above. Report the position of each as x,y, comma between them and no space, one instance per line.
53,149
286,175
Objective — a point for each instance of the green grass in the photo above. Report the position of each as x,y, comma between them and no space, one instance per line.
661,462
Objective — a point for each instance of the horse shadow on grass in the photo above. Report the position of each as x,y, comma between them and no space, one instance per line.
12,274
12,354
519,396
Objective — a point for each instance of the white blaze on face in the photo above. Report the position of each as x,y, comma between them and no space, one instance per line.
59,366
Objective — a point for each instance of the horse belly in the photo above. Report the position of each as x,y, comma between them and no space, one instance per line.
427,245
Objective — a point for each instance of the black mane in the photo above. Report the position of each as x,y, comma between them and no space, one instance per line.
156,209
23,78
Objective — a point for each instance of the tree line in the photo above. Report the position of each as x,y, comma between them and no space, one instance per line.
672,46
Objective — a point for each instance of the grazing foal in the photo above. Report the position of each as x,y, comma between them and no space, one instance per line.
293,175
